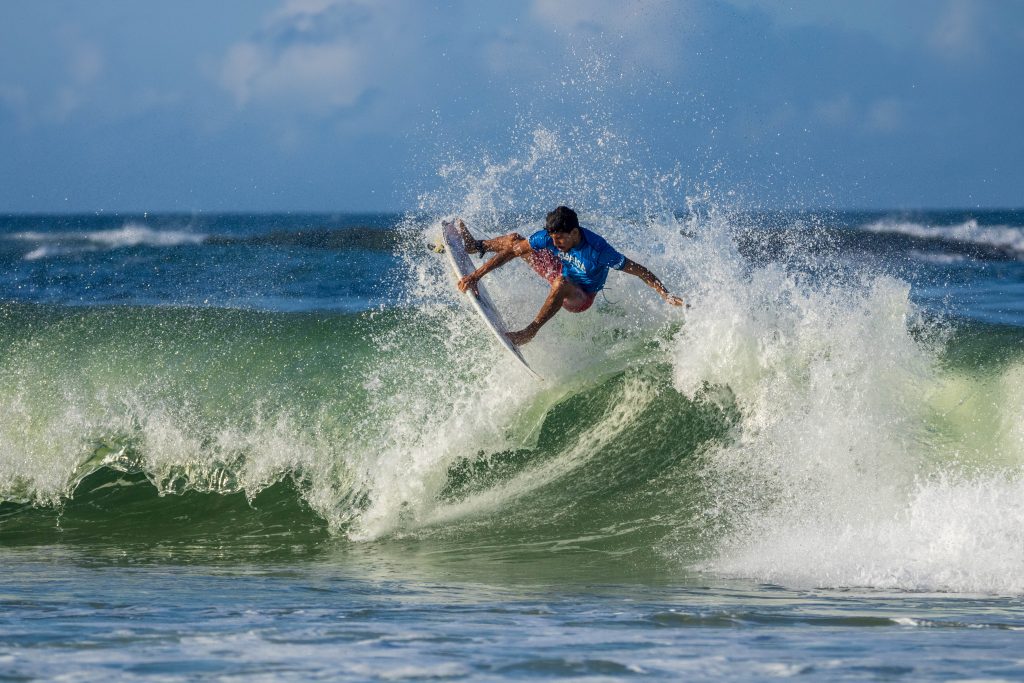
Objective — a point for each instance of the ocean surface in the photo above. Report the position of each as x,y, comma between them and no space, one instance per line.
282,447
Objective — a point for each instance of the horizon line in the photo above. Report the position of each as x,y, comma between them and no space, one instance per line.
400,212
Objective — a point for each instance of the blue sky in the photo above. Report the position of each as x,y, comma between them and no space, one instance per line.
354,105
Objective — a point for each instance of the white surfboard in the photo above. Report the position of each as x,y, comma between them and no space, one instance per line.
481,302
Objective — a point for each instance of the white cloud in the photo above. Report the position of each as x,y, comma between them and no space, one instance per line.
956,34
14,98
328,75
326,56
86,63
67,88
885,115
84,68
79,85
646,32
882,115
316,55
512,53
837,111
303,10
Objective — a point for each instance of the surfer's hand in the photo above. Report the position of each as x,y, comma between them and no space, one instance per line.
468,282
675,300
522,336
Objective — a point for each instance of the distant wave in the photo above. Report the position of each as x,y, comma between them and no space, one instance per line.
52,244
1006,239
941,259
50,252
56,244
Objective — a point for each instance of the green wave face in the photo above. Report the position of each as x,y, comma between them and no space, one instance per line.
190,425
195,401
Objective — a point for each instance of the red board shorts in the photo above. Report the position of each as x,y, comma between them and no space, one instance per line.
549,267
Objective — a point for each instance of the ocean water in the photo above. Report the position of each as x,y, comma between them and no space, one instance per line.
281,447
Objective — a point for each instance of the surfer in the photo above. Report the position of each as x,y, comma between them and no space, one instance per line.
573,259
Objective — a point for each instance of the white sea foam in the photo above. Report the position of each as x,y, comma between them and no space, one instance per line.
949,533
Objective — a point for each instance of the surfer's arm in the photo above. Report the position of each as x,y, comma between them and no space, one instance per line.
515,249
649,278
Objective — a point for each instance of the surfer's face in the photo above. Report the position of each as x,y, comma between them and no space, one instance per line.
564,241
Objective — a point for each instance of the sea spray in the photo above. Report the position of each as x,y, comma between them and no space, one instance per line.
842,471
487,402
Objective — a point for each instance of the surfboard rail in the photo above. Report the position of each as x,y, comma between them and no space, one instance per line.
481,302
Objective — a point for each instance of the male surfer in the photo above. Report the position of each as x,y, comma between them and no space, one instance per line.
573,259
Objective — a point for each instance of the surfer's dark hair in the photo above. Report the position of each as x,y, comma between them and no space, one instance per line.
562,219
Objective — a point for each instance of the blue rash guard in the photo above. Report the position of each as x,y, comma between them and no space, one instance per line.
585,265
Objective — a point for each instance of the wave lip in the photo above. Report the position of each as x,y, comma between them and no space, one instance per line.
52,244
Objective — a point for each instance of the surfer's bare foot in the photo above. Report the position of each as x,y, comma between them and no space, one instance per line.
471,244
